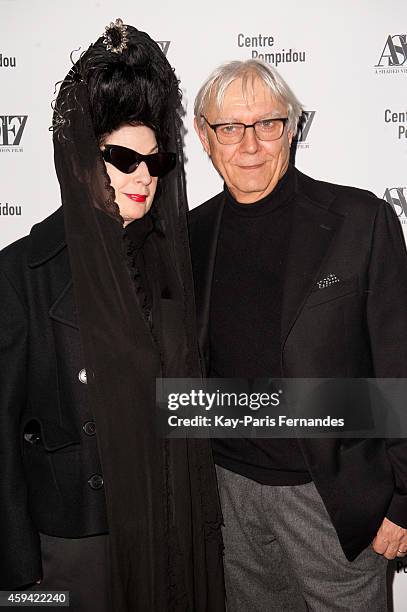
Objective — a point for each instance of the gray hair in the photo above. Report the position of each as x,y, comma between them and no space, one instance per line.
219,80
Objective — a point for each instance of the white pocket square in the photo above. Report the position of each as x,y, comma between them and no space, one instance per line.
327,281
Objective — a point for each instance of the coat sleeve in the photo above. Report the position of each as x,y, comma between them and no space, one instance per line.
387,323
20,553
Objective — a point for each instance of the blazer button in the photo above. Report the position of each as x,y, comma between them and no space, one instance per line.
82,376
89,428
95,481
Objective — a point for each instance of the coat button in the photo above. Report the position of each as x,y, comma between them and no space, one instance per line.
82,376
89,428
32,438
95,481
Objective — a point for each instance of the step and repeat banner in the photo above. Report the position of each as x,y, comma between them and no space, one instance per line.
346,61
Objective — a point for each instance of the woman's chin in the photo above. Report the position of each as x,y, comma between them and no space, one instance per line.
134,215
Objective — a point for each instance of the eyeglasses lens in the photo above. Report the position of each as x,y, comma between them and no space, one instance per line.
126,160
233,133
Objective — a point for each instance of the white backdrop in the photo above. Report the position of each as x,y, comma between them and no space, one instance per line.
345,60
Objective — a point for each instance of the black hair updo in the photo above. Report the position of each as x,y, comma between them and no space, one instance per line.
135,86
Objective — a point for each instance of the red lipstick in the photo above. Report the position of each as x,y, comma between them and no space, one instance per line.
136,197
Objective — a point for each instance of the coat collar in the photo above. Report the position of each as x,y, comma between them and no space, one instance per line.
47,239
314,227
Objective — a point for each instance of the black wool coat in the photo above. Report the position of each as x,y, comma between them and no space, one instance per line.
50,472
353,329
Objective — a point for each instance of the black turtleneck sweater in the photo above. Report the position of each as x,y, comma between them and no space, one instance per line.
245,323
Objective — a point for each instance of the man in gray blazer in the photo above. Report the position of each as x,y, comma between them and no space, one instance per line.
297,278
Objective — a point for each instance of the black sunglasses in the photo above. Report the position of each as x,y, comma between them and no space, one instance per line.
126,160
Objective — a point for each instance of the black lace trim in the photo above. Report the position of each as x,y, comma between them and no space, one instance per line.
135,264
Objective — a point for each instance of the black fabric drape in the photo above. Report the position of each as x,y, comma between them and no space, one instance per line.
163,512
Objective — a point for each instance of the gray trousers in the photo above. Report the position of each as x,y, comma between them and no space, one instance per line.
282,553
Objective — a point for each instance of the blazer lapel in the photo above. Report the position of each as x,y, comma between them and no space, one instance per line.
204,245
313,232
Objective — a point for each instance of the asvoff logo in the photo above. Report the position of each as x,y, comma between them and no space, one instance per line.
393,58
397,198
164,44
304,126
11,132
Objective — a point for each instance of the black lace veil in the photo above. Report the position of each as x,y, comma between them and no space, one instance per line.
162,506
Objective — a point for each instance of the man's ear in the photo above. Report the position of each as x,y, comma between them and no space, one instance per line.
203,137
290,137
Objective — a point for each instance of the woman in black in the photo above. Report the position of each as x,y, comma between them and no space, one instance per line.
97,304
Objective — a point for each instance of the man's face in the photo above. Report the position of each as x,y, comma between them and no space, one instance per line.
252,168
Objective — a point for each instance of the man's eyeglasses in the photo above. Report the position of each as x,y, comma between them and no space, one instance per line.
233,133
126,160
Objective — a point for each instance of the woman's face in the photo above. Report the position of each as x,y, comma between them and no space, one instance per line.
134,192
